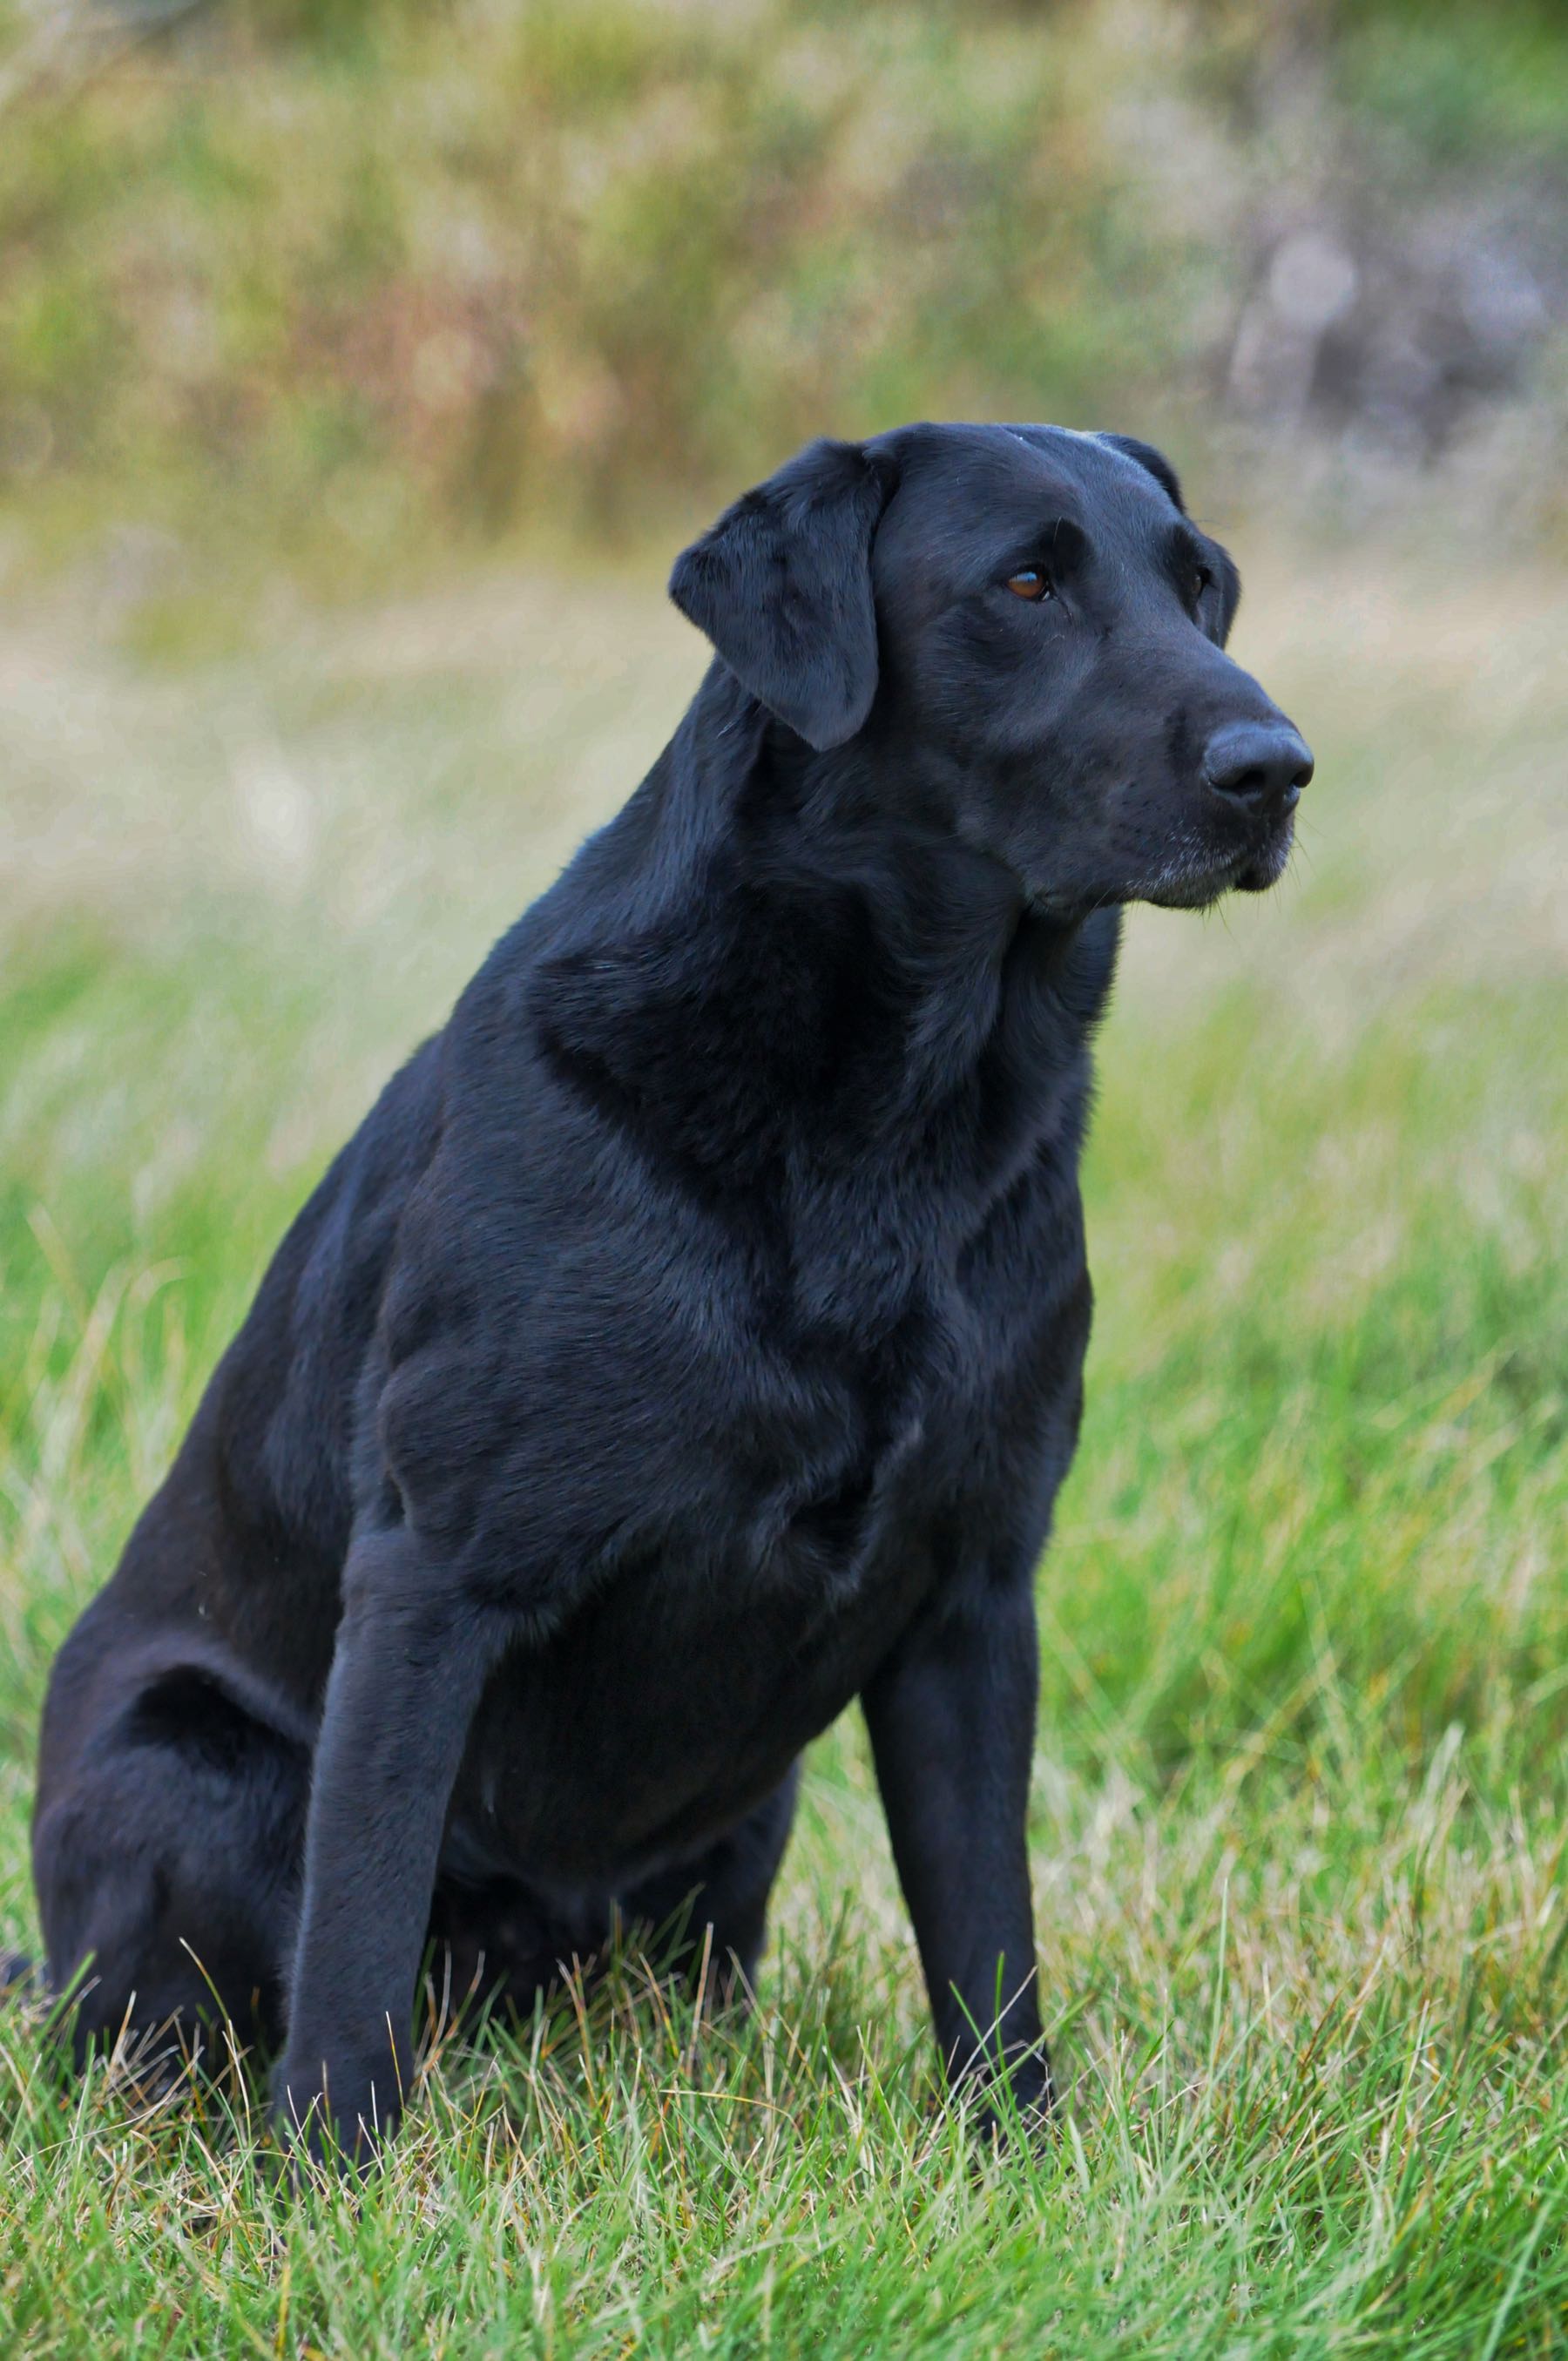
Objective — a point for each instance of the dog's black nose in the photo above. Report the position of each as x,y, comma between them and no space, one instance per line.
1262,765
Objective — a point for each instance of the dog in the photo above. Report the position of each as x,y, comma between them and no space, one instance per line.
691,1339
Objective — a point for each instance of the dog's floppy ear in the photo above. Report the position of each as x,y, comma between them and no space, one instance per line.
1230,592
1153,463
782,585
1157,464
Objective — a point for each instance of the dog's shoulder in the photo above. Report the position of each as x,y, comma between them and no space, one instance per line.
283,1393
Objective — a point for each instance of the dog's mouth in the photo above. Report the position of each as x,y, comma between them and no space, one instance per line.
1267,868
1195,874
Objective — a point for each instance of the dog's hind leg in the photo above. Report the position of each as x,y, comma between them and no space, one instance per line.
167,1856
714,1909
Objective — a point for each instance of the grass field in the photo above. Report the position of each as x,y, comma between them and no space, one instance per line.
1298,1833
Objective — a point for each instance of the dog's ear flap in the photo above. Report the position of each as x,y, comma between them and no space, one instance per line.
1230,593
782,585
1155,464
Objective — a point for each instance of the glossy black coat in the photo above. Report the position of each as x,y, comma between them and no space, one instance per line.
691,1339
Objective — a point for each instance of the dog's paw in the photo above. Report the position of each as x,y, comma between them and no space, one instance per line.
1018,2111
337,2122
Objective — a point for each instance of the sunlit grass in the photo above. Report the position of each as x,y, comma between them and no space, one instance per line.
1298,1818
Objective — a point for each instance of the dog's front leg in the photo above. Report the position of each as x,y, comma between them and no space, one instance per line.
951,1718
407,1672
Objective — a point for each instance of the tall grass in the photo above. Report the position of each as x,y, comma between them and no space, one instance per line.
1298,1815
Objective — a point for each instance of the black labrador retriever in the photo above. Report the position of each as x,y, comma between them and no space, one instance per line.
691,1338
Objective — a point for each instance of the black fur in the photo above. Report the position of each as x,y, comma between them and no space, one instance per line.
690,1340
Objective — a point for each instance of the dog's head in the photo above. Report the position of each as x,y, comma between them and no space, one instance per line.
1025,629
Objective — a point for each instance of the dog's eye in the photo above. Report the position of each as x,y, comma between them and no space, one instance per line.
1201,580
1030,582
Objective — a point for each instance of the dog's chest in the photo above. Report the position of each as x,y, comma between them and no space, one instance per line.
829,1502
683,1689
872,1434
901,1377
776,1550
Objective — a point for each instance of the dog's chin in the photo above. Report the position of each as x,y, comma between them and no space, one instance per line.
1194,881
1197,889
1259,874
1191,874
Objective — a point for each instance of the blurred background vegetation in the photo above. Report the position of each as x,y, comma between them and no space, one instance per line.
298,295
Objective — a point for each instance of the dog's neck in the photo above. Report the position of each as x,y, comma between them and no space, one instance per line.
763,962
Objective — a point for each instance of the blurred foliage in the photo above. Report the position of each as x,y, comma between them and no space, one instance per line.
313,284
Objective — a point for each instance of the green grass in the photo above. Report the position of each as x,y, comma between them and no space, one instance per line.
1298,1807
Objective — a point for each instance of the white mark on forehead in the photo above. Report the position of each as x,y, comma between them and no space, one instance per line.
1066,433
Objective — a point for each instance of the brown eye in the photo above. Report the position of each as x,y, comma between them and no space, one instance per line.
1201,580
1029,582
